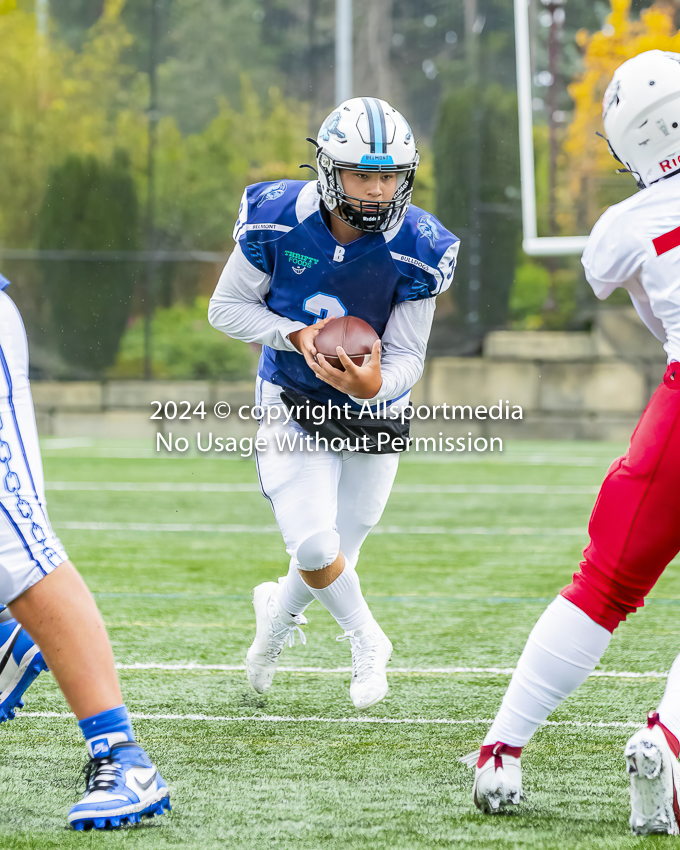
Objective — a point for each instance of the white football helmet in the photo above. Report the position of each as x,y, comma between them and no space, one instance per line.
365,133
641,115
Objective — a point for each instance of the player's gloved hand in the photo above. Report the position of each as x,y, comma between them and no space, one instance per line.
357,381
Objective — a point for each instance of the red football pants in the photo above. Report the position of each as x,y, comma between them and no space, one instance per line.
635,525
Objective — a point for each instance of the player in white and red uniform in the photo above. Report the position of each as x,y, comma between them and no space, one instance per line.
635,527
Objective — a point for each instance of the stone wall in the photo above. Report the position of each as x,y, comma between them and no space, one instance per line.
570,385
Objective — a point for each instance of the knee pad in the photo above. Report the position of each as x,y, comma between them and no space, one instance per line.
318,551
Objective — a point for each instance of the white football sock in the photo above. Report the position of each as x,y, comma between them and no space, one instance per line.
563,649
344,601
669,708
294,595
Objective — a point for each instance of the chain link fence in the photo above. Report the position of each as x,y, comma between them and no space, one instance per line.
97,315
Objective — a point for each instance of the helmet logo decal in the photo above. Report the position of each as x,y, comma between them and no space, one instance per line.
272,194
330,126
427,227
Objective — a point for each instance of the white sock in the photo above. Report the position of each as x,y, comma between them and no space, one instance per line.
669,708
294,595
344,601
563,649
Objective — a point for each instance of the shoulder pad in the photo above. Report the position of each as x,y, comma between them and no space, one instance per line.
268,208
267,212
425,251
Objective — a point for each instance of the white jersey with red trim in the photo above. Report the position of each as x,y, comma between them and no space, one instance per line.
636,245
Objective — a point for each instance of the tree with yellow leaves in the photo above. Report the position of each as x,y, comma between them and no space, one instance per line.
590,181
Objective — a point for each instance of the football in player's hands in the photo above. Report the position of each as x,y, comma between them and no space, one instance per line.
354,335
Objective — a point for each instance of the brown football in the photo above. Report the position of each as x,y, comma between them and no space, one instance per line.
354,335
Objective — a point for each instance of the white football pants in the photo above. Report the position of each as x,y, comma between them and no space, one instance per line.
29,548
317,491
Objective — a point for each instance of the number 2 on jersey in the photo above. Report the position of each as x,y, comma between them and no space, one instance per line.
322,306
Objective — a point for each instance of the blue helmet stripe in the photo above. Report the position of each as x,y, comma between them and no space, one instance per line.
383,127
377,122
371,123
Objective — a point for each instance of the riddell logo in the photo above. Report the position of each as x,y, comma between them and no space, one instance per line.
670,164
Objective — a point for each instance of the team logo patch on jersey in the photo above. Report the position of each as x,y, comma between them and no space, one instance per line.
330,127
300,262
427,227
272,194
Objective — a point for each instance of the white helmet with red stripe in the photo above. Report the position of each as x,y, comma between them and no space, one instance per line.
641,115
366,134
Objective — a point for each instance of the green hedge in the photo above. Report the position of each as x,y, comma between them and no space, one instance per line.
184,345
89,205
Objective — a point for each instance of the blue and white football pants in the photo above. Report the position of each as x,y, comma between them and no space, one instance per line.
29,548
314,491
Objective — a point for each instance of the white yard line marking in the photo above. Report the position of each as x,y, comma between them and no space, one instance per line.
168,526
494,489
388,721
196,487
203,528
418,671
151,487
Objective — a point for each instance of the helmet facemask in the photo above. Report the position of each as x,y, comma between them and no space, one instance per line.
360,213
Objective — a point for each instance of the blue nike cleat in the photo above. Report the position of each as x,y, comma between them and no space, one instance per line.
121,787
20,663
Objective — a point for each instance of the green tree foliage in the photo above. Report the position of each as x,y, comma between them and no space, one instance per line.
53,102
201,176
476,155
528,295
184,346
89,205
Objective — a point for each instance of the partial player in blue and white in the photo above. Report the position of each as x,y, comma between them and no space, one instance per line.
50,612
29,548
350,243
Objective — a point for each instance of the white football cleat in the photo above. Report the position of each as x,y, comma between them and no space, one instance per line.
498,777
654,781
273,628
371,650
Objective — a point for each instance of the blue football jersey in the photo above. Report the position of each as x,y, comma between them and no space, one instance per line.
281,231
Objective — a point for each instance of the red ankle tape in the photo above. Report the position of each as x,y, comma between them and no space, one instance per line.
673,743
497,750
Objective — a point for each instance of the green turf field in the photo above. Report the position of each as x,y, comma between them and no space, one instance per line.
468,556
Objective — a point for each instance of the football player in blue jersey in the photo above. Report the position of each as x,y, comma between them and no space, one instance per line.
52,618
350,243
